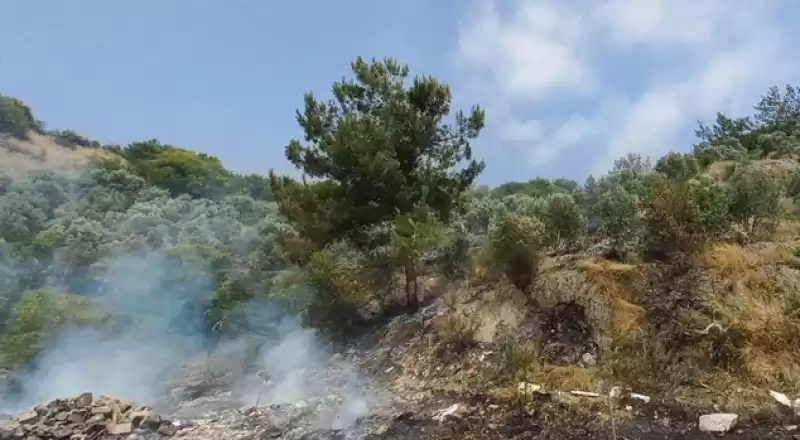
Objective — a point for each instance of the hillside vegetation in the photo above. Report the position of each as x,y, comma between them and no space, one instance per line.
679,278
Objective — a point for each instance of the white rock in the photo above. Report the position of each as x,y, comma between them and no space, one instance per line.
528,388
642,397
452,412
781,398
719,422
588,360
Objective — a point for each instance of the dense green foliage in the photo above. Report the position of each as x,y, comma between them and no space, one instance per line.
16,118
386,154
388,188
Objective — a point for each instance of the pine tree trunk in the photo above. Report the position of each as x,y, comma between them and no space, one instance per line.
412,298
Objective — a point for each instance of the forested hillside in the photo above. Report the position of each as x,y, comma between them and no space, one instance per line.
666,276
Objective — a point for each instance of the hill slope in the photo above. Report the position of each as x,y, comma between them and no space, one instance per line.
43,152
390,292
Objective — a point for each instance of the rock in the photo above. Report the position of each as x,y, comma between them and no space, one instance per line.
588,360
28,417
453,412
104,410
528,388
168,429
119,428
719,422
84,400
145,419
781,398
62,432
84,418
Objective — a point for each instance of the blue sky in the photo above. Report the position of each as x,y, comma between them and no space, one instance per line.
568,85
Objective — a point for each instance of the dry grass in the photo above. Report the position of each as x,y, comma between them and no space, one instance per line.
722,170
788,229
41,152
481,267
457,329
567,378
731,260
780,169
750,292
754,298
618,283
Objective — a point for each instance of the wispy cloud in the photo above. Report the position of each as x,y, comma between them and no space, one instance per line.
618,76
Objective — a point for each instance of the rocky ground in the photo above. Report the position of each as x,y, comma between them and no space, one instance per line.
393,384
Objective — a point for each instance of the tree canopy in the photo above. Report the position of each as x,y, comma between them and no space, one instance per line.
381,148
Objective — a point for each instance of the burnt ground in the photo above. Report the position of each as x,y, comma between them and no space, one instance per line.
421,387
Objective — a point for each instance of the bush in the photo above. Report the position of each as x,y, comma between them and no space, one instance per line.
457,330
515,244
617,211
755,199
37,317
16,118
338,285
562,218
683,216
454,259
677,166
524,205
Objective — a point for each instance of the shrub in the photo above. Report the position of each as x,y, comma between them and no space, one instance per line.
337,283
515,244
617,211
457,330
562,219
684,216
454,259
755,199
37,317
16,118
677,166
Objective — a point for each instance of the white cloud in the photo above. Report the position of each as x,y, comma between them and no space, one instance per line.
527,55
708,56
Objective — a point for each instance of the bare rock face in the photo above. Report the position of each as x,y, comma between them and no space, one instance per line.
86,418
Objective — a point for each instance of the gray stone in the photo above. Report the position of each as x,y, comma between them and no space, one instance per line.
28,417
119,428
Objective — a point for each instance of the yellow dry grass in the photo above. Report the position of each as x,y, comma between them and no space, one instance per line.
567,378
731,259
721,170
617,282
758,306
788,229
